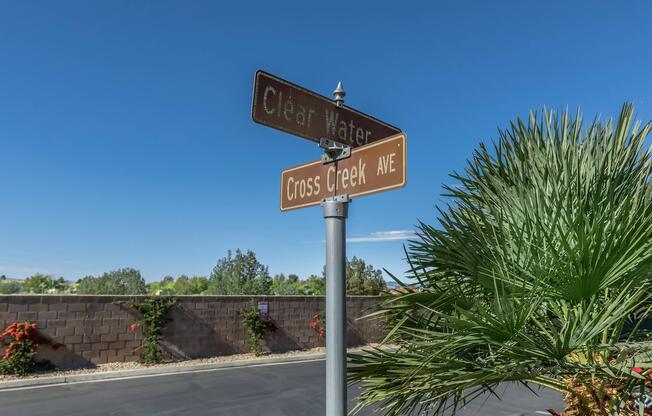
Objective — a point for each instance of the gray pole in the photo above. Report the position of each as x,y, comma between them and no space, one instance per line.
335,212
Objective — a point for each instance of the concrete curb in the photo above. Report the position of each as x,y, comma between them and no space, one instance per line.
154,371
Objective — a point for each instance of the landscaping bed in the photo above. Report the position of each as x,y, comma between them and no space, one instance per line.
126,366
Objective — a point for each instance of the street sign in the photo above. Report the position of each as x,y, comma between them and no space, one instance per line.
288,107
376,167
362,156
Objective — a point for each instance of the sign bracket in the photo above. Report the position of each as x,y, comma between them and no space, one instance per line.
334,151
344,198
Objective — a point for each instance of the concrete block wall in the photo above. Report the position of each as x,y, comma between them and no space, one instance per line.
94,329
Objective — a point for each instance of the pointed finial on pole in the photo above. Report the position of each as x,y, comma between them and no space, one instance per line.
339,94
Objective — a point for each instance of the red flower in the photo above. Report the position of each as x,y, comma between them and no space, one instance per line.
133,327
641,370
21,337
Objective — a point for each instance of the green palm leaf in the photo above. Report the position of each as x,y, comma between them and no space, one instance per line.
538,272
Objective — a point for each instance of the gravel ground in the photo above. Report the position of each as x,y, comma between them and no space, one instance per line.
120,366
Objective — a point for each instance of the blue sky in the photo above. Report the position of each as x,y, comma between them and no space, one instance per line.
126,137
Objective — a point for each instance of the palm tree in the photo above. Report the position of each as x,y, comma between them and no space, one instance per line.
539,273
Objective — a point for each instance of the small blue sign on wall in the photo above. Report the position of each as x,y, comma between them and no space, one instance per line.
263,308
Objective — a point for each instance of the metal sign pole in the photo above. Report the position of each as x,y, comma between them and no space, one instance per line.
335,213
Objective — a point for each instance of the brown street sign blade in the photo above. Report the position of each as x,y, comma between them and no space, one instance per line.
376,167
288,107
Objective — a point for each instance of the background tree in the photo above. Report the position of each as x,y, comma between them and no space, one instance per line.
161,288
183,285
539,272
197,285
314,286
40,283
10,287
283,286
126,281
241,274
363,279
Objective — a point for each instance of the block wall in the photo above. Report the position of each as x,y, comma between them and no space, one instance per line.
95,329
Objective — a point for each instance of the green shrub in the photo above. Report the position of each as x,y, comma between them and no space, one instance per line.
9,288
258,325
154,317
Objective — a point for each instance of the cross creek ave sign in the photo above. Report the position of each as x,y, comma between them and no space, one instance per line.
288,107
373,168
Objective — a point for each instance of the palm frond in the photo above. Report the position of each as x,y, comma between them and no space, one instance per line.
538,271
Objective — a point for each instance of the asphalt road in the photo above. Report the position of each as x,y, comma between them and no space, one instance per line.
295,389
